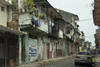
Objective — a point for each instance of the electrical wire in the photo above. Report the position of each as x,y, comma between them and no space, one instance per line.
85,20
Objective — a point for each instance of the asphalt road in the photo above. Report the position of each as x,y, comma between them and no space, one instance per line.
68,63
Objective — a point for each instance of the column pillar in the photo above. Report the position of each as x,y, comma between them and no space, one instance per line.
20,48
26,44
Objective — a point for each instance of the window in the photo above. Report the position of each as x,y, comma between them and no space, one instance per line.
2,8
83,53
1,40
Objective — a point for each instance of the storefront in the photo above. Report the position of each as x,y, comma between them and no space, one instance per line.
9,46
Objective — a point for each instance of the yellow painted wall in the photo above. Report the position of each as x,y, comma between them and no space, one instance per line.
3,17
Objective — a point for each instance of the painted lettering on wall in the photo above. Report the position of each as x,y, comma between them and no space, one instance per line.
32,49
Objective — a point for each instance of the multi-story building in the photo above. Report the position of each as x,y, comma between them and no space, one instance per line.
9,35
71,32
81,41
44,38
87,46
47,32
96,18
97,39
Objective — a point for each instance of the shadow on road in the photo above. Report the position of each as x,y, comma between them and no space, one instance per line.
84,65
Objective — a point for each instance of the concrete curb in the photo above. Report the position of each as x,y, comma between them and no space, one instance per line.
53,61
44,62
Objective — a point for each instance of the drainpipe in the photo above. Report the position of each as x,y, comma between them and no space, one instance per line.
19,37
47,12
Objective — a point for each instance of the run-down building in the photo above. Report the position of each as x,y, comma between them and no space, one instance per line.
45,32
9,35
49,33
96,20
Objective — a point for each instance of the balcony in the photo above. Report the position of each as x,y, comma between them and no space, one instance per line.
6,2
32,22
97,36
53,31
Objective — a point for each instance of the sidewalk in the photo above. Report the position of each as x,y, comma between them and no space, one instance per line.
97,64
37,64
98,58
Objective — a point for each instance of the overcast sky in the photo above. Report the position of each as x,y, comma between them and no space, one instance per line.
83,9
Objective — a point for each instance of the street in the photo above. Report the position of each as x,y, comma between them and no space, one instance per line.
49,33
68,63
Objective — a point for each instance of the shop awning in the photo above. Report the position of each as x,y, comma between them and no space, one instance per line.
6,29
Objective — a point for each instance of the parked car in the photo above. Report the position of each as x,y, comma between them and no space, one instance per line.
83,58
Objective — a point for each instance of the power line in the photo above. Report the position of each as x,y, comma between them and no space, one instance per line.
85,20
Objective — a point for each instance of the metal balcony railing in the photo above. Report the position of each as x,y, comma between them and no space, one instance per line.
53,30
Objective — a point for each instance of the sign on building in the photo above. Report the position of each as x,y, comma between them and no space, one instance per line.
32,49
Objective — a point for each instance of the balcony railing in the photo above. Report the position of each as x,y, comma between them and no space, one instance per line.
53,30
72,37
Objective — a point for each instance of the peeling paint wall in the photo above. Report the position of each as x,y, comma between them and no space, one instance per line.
40,45
12,21
26,44
44,25
32,49
44,50
24,19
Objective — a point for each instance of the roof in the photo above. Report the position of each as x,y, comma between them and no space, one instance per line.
6,29
66,15
50,7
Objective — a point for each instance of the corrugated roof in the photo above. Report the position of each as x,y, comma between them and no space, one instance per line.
66,15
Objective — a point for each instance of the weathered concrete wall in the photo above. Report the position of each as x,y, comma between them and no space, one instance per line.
12,19
24,19
44,50
33,50
40,45
26,44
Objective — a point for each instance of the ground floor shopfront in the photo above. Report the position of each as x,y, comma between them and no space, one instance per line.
9,47
29,48
40,48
